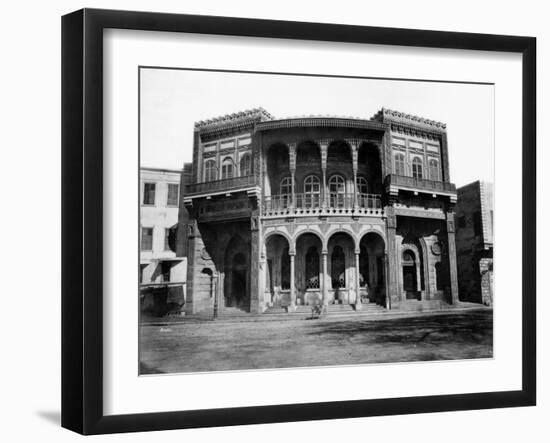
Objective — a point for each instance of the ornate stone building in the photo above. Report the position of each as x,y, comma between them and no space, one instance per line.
319,210
474,242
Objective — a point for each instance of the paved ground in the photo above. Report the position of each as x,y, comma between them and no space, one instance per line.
217,346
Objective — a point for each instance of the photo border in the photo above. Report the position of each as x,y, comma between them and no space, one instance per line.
82,220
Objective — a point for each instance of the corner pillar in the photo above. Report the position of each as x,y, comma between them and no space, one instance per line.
392,289
257,304
453,274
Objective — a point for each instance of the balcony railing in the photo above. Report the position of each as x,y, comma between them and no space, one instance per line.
304,204
226,184
420,184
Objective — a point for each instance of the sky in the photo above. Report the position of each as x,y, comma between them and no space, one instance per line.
173,100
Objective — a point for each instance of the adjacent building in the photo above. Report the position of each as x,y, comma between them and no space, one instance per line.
474,242
162,273
322,210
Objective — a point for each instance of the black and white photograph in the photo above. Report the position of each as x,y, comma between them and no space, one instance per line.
296,221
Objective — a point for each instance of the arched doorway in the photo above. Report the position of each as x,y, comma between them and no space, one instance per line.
237,296
237,274
341,268
308,269
372,269
277,271
409,264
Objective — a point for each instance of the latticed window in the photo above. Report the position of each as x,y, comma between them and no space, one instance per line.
417,168
209,171
227,168
338,268
434,170
246,165
337,189
399,164
312,191
312,268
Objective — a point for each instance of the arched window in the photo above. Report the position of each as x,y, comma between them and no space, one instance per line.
210,170
312,191
246,165
227,168
337,189
362,191
312,268
286,186
338,268
408,258
417,168
286,191
434,169
399,164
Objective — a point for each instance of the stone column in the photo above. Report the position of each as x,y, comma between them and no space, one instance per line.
192,266
354,153
357,287
292,306
392,288
256,299
385,264
324,152
325,278
292,166
453,275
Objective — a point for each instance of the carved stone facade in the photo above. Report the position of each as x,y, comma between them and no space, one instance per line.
319,210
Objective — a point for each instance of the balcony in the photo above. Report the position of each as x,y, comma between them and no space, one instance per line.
226,185
312,204
394,183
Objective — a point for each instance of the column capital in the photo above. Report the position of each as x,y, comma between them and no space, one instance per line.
323,143
354,143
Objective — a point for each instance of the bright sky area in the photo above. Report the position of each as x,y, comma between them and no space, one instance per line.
172,100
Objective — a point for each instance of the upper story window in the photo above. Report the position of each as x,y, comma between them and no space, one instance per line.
399,164
210,170
149,193
337,189
434,170
312,190
173,194
417,168
362,185
286,186
246,165
227,168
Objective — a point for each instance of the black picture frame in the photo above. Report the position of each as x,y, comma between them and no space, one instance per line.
82,218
